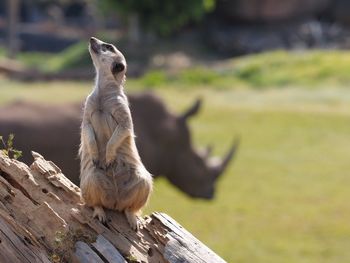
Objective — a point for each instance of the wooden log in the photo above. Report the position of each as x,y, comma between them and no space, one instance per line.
43,220
16,245
85,254
108,251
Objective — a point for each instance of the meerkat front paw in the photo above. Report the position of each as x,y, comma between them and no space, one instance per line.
97,164
99,213
109,162
132,220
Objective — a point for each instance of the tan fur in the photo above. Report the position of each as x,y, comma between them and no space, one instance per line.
112,174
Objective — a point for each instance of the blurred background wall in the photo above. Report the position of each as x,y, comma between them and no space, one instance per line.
228,27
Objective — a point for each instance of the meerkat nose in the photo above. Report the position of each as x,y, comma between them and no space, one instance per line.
94,44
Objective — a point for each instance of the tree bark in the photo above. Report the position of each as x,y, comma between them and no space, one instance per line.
43,220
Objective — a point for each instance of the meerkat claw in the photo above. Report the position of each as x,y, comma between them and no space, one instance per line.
96,163
109,165
100,214
132,220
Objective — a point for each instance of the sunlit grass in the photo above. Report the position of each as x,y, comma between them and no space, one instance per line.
300,68
51,92
285,197
277,69
75,56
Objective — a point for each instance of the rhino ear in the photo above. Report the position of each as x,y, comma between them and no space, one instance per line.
193,110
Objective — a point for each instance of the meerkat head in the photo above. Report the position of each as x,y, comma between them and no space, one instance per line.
107,59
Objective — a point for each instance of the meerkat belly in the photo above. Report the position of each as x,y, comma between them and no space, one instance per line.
127,184
128,153
103,125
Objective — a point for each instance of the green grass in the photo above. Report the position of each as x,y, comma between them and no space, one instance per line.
285,197
75,56
277,69
50,92
281,69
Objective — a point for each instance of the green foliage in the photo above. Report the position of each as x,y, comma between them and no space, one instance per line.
65,242
201,76
278,69
188,78
154,79
8,147
131,259
163,17
75,56
282,69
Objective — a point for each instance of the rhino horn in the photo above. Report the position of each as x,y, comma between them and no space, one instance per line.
193,110
220,167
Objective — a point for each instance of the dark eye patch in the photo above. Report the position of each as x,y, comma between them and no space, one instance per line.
117,67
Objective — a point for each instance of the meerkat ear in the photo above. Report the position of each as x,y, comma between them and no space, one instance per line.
117,67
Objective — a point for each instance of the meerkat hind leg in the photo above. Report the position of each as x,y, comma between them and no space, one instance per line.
132,220
99,213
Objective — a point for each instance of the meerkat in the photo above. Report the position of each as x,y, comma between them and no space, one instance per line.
112,175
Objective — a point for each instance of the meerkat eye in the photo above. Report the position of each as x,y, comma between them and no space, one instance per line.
109,47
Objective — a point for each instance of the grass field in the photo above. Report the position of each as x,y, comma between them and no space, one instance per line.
285,197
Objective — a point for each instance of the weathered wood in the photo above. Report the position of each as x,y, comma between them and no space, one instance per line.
43,220
84,254
108,251
179,244
19,245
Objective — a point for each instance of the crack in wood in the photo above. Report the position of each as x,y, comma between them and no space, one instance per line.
16,185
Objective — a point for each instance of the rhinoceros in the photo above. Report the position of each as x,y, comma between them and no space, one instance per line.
163,140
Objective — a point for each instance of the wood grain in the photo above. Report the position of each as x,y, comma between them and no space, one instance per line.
42,220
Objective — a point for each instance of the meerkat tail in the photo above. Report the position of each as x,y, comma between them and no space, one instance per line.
132,220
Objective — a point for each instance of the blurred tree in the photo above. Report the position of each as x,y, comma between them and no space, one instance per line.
160,16
12,25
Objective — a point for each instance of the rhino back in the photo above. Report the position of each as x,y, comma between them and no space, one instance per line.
51,130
